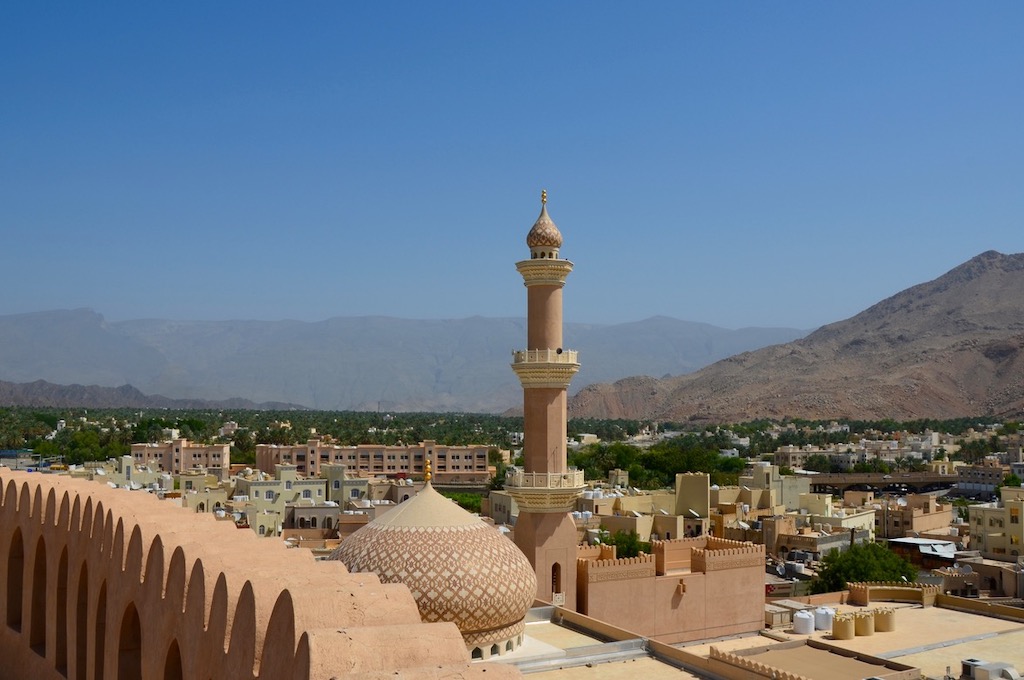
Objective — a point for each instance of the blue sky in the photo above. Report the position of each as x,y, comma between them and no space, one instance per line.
741,164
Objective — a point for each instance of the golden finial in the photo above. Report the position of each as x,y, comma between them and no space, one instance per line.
543,196
426,472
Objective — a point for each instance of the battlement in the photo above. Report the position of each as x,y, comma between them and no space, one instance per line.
619,569
749,664
893,591
743,555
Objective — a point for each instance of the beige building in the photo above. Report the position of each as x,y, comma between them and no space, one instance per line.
980,480
451,464
786,488
264,499
179,455
906,516
996,528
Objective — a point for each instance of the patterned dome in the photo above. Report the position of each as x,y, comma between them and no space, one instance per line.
544,233
458,568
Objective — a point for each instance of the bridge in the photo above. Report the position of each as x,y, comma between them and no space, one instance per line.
106,583
896,481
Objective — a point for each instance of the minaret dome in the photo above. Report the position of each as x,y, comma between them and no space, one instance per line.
544,238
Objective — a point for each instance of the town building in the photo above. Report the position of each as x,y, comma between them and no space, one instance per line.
996,528
982,479
179,455
786,488
452,464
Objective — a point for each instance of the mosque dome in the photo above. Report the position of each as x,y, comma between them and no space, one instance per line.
459,568
544,233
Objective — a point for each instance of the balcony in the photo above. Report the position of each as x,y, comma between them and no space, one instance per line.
544,491
545,367
545,356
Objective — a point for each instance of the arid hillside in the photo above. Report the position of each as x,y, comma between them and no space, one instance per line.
946,348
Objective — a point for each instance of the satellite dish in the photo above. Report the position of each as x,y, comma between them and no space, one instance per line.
966,569
780,569
694,513
902,502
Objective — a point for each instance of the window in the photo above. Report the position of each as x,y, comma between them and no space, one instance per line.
269,495
354,493
288,485
306,493
337,484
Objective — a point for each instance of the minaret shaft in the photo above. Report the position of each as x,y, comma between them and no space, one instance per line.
545,488
544,317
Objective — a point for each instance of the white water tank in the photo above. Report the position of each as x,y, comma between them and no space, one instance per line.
803,623
823,618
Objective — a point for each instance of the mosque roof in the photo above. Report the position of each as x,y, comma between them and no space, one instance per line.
544,233
458,567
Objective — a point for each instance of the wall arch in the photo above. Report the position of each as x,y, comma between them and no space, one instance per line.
61,595
82,623
37,601
99,648
129,645
15,579
172,662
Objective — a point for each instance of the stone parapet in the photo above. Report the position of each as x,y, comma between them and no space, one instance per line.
621,569
544,491
893,591
545,367
756,667
708,559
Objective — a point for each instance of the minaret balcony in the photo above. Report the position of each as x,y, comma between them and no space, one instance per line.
545,491
545,367
544,272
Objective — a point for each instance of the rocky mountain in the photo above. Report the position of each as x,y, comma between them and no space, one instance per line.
43,394
345,362
946,348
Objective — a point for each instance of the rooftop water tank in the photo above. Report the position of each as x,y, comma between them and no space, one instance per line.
803,623
823,617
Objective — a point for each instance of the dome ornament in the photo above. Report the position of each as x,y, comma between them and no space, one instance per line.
426,471
544,239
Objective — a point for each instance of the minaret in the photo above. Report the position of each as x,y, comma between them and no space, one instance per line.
545,488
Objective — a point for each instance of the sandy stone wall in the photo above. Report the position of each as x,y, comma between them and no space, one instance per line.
107,583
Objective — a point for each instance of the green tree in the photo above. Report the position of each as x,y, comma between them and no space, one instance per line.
467,501
867,562
627,544
818,462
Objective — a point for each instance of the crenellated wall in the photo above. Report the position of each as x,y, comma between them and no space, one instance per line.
744,668
716,559
107,583
893,591
666,597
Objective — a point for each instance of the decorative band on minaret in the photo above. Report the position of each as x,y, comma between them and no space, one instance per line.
544,483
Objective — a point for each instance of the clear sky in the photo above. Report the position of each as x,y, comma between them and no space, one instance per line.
740,163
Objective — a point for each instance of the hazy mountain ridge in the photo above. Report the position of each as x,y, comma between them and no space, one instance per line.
48,395
343,362
945,348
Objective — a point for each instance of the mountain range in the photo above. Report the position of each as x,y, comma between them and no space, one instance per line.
947,348
356,363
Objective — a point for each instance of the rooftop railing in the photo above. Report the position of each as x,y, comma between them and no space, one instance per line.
546,356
